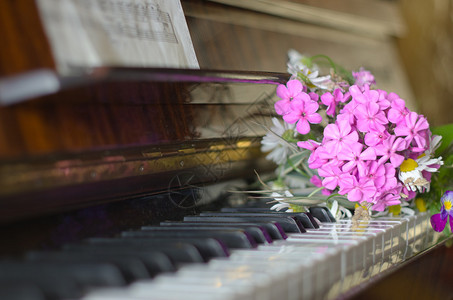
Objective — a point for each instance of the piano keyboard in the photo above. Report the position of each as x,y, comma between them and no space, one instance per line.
250,254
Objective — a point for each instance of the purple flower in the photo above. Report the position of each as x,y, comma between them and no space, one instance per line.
292,90
438,221
303,111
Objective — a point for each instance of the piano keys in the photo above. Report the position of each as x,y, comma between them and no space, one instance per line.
201,260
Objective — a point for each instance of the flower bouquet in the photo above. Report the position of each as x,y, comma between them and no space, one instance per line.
340,141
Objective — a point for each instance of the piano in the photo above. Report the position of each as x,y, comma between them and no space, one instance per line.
116,184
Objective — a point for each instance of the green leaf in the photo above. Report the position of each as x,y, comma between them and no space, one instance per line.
294,161
446,131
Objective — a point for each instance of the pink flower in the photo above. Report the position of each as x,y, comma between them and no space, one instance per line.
390,177
363,77
363,97
388,150
414,129
375,137
347,113
308,144
370,117
314,161
331,100
292,90
338,135
303,111
387,198
374,172
355,157
362,190
331,176
398,111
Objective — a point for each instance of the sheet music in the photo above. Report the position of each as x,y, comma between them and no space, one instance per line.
89,33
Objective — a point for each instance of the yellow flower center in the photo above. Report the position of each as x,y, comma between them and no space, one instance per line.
420,204
395,210
421,155
447,205
408,165
297,208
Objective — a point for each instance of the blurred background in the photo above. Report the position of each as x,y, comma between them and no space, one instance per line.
407,44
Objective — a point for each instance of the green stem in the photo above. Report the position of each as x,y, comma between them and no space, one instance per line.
315,191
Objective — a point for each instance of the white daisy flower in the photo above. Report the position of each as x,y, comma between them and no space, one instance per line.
339,212
296,67
281,205
433,145
410,172
273,141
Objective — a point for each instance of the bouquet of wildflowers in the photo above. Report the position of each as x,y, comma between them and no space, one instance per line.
341,140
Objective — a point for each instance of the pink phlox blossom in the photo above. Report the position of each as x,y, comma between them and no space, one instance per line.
331,176
308,144
332,99
391,181
383,100
348,112
303,111
357,190
313,96
314,161
375,137
388,150
292,90
363,96
414,128
370,117
338,135
363,78
355,157
385,199
398,111
375,172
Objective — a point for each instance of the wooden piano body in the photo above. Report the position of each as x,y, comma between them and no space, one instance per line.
119,148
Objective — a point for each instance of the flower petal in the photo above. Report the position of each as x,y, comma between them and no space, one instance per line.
303,127
438,223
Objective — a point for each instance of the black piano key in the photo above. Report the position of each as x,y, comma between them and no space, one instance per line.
305,218
179,252
259,235
21,291
232,238
131,267
208,247
323,214
288,224
51,286
155,262
80,276
299,228
264,227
